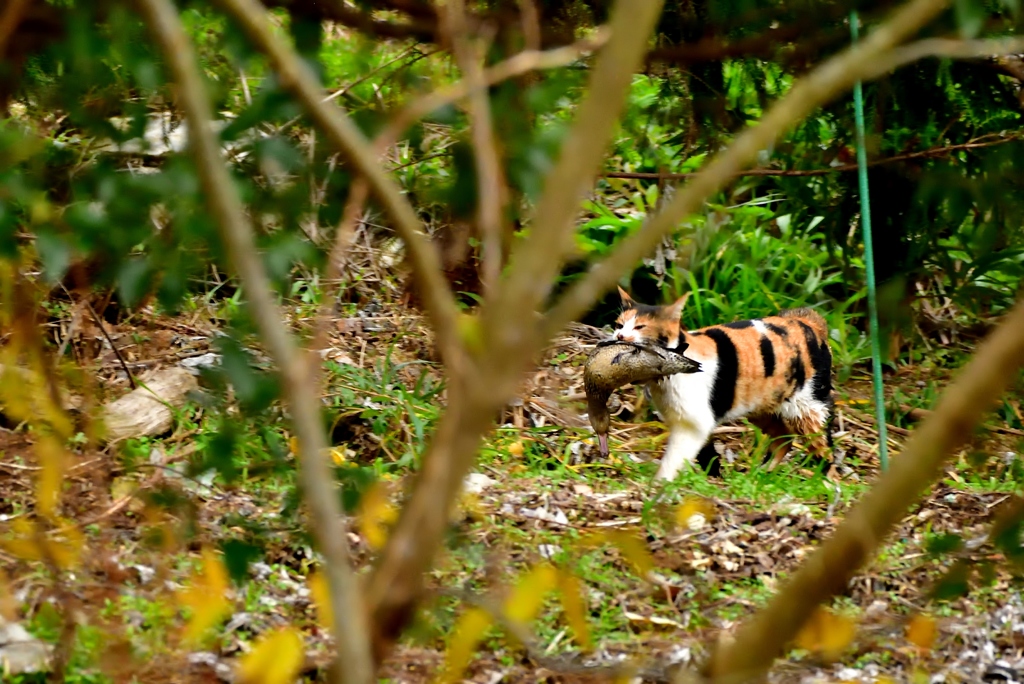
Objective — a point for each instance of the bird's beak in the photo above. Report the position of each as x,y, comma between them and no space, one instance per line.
602,445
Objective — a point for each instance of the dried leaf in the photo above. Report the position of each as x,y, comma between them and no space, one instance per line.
524,601
575,606
321,593
275,659
375,515
206,596
468,632
921,631
826,633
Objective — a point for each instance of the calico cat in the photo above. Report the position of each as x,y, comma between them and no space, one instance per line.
775,371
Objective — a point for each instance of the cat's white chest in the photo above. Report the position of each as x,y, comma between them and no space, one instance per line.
685,397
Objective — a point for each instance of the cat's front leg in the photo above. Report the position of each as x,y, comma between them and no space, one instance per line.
685,441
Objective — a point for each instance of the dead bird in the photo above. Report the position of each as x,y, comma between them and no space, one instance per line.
615,363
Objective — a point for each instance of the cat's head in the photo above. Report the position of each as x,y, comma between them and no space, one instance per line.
645,323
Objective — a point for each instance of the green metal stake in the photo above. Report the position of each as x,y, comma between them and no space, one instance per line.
869,262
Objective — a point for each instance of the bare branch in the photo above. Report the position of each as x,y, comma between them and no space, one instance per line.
490,186
829,569
475,400
868,59
988,140
535,261
346,137
955,49
521,63
343,240
223,198
10,17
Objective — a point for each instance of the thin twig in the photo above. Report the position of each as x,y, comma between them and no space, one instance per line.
343,240
517,65
350,631
475,399
535,261
296,76
117,352
490,200
983,141
865,60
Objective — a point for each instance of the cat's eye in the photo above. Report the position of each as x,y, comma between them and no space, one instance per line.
639,327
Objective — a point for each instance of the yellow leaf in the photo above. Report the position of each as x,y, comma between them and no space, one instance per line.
48,409
468,631
575,606
14,391
293,445
693,512
471,332
633,548
8,604
515,449
206,597
469,507
826,633
63,546
921,631
375,515
524,601
51,457
338,455
321,593
24,544
275,659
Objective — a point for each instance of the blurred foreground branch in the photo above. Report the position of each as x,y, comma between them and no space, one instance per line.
987,140
504,332
829,569
226,205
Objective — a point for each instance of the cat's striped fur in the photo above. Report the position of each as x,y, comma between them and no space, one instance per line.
775,371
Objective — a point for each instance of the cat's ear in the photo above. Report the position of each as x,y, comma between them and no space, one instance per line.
627,301
674,311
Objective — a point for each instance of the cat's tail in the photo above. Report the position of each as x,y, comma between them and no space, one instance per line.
811,318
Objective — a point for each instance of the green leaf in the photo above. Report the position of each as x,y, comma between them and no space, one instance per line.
254,389
238,555
55,253
8,231
944,544
133,280
970,17
954,584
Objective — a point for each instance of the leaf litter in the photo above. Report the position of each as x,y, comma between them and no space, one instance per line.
705,561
